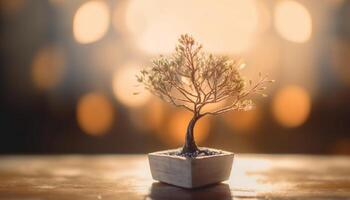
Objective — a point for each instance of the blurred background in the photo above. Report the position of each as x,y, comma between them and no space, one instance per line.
68,74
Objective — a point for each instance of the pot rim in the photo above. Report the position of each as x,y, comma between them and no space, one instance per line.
162,154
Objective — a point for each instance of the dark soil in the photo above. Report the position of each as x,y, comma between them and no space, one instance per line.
201,153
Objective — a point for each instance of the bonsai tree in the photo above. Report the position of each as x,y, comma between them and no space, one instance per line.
192,79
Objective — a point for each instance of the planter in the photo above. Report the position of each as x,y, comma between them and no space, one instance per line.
190,172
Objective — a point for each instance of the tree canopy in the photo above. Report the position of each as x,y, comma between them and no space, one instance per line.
193,79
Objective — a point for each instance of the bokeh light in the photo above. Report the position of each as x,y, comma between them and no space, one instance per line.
340,51
95,113
125,86
291,106
11,6
118,18
341,146
55,52
213,106
155,115
241,122
229,27
48,67
264,16
91,21
266,57
293,21
150,117
107,55
175,130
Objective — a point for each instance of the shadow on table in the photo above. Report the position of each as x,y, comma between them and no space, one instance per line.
164,191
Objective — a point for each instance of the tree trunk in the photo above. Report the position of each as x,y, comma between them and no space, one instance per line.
190,145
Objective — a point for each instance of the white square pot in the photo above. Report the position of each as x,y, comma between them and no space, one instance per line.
190,172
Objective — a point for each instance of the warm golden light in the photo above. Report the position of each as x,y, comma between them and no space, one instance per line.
291,106
11,6
251,184
243,121
293,21
107,55
150,117
341,146
118,18
155,115
48,67
95,113
125,86
91,22
214,106
174,134
264,16
229,27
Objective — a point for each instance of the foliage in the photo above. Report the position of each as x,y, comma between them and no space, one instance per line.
193,79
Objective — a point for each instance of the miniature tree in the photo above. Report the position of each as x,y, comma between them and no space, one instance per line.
192,79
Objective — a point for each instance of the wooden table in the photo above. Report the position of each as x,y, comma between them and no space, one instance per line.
116,177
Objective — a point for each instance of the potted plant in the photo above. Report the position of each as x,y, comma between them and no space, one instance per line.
194,80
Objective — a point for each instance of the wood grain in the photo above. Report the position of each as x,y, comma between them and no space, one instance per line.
119,177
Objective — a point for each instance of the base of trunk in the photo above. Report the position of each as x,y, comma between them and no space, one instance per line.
190,172
189,149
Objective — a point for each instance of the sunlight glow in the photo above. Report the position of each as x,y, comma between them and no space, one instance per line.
291,106
95,113
174,134
243,121
293,21
91,22
48,67
229,27
125,85
107,55
250,184
150,117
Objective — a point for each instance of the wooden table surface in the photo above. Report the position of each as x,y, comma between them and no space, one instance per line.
127,177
